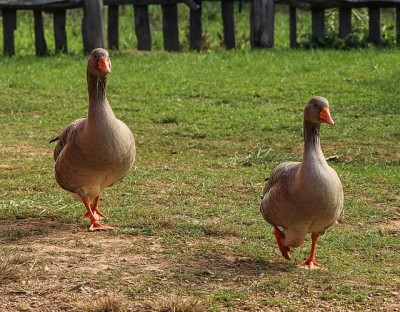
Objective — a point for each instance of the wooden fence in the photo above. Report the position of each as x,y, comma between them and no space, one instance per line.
318,7
93,29
261,21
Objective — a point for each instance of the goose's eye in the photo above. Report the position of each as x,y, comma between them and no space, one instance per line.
315,105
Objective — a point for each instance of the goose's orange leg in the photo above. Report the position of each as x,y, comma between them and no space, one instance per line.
95,210
95,225
310,263
279,237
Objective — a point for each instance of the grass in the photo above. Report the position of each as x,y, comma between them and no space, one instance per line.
209,129
208,133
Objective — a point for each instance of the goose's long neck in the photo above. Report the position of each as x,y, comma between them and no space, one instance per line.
98,104
312,146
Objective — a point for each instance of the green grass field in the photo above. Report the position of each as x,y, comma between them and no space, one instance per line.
209,129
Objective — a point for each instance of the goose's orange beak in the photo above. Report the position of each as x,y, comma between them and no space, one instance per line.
325,116
104,65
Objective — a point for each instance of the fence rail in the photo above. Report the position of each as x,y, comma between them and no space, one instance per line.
261,21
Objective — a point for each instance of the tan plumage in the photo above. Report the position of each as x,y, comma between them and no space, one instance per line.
304,197
94,152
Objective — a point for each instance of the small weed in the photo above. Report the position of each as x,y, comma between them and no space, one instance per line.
199,136
256,157
228,298
167,120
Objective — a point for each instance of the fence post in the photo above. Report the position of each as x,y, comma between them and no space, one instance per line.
318,23
112,27
170,27
228,19
9,25
60,35
344,22
142,27
374,25
262,20
293,27
40,41
398,26
196,29
92,25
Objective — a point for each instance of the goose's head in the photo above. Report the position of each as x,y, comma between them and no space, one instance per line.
317,111
99,63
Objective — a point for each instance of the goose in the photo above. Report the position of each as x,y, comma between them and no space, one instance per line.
94,152
304,197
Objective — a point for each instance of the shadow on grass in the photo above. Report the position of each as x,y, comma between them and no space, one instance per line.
14,230
236,268
196,265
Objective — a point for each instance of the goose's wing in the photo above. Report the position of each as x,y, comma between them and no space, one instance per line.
281,176
68,134
276,203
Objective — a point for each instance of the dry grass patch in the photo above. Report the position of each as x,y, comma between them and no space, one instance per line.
174,303
109,303
10,261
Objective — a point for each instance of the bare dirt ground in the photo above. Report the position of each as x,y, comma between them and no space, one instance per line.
50,266
61,265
